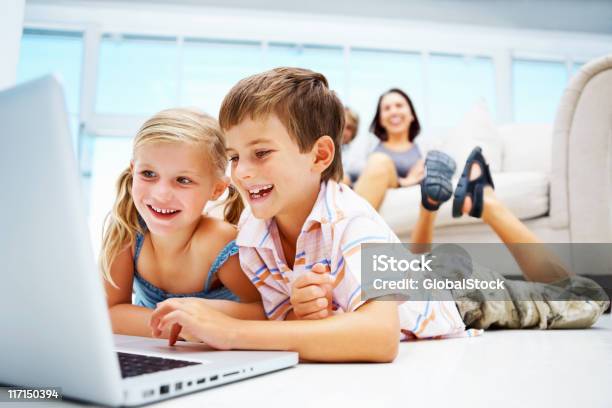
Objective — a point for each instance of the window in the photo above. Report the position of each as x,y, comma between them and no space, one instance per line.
210,69
54,52
456,83
537,89
137,75
373,72
327,60
111,155
576,66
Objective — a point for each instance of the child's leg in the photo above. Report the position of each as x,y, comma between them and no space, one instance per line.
378,176
436,188
571,302
535,260
422,233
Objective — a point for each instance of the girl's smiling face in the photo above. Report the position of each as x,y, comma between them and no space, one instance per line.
171,184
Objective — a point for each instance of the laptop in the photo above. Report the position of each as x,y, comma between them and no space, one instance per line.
56,330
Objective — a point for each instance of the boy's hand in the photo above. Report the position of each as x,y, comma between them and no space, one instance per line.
311,294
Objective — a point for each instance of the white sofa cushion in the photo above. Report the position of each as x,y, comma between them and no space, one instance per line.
527,147
475,129
524,193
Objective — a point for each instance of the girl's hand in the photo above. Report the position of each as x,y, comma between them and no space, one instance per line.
311,294
191,318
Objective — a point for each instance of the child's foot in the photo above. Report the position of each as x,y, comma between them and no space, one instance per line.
489,197
474,184
436,186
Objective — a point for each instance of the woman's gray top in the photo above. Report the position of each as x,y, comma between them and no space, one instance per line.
403,160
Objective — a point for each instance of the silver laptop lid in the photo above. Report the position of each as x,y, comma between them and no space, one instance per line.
55,327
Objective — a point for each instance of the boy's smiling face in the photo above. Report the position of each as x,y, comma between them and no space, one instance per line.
269,170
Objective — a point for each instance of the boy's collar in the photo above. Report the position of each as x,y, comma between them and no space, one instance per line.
256,232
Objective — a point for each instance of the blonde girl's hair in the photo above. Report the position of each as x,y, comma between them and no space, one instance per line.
168,126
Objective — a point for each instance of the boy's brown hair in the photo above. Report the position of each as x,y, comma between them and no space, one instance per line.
302,101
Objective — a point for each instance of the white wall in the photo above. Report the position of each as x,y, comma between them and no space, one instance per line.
11,25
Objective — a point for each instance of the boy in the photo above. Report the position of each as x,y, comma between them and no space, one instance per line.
284,130
300,240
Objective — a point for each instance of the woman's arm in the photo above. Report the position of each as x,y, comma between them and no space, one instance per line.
369,334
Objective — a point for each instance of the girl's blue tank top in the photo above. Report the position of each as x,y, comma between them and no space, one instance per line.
148,295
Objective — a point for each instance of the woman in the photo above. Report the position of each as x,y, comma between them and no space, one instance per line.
397,160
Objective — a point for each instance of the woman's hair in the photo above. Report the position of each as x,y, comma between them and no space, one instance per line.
380,132
354,118
168,126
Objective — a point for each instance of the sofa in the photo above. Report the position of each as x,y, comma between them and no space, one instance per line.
557,179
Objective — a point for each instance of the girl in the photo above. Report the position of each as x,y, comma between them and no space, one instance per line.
350,160
157,243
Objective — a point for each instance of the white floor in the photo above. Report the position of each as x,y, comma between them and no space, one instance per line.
499,369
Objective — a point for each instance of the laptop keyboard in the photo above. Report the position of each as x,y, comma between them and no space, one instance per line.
138,364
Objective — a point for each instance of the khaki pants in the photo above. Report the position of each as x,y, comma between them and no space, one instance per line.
573,303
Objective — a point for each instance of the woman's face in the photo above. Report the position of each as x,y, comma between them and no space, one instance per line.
395,113
350,127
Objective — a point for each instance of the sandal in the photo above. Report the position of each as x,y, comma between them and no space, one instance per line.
436,185
473,188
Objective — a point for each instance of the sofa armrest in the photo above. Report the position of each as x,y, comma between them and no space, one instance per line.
581,171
